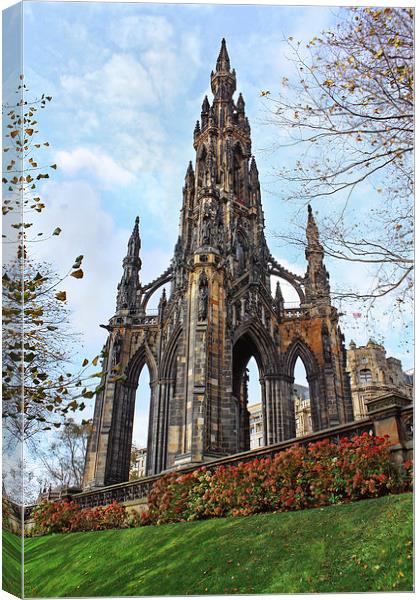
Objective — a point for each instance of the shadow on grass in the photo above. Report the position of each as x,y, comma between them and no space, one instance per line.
364,546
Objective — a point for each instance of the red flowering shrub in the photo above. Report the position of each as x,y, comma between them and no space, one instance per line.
300,477
408,473
65,517
54,517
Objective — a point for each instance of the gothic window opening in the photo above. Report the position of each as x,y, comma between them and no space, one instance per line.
302,400
140,426
365,376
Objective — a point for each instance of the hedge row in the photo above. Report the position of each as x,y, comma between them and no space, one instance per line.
301,477
66,516
319,474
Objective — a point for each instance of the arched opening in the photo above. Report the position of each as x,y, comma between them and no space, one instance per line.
248,394
365,376
256,423
140,426
155,298
302,400
289,294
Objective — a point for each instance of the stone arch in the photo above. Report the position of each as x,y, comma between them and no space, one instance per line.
250,341
286,276
121,431
263,343
299,348
152,287
168,406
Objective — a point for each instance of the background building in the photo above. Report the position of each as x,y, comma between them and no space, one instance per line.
302,416
372,374
302,410
138,463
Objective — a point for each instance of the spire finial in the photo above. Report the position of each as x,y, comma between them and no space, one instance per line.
205,107
134,241
312,233
241,103
223,62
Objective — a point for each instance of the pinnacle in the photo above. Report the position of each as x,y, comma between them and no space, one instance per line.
205,107
223,62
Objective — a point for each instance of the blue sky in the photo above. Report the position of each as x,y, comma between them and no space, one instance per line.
127,82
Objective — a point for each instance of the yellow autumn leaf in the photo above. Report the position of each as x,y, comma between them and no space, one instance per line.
77,274
61,296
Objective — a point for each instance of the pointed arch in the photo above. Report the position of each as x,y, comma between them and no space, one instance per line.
262,342
142,356
298,348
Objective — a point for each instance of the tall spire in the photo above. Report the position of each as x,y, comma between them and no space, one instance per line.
127,288
134,243
223,80
223,62
312,233
317,287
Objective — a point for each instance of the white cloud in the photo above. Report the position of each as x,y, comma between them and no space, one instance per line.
86,229
140,32
93,163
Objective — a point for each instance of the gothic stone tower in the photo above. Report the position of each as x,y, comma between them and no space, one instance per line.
220,312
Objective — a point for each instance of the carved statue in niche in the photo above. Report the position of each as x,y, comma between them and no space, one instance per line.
237,175
203,296
210,179
116,349
255,267
207,232
234,234
326,344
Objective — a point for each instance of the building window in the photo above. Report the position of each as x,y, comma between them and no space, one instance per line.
365,376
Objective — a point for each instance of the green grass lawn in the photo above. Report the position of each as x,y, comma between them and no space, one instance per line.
12,563
364,546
